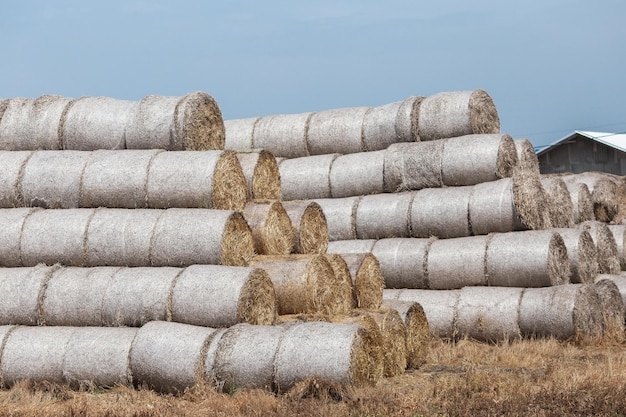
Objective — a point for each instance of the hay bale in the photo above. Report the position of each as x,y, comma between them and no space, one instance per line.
309,226
4,102
391,123
385,215
169,357
561,311
260,169
346,300
5,332
608,257
303,283
417,331
340,216
245,357
12,163
394,334
582,254
335,352
456,263
413,166
367,279
457,113
271,227
560,205
336,131
619,234
527,160
351,246
306,178
192,122
52,179
208,179
429,206
534,258
99,356
23,289
239,134
366,320
357,174
603,194
581,200
210,352
612,305
221,296
619,280
11,224
284,135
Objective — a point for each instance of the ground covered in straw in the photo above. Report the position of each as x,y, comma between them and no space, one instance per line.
538,378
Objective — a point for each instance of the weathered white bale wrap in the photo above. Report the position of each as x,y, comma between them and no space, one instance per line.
457,113
245,357
221,296
561,311
413,166
335,352
260,169
367,278
209,356
619,234
581,200
403,262
271,227
12,163
384,215
608,257
582,254
352,246
239,134
28,124
192,122
5,332
489,313
357,174
99,356
534,258
560,204
23,288
169,357
417,331
309,226
336,131
391,123
441,212
618,280
284,135
53,179
612,305
307,177
456,263
11,223
340,216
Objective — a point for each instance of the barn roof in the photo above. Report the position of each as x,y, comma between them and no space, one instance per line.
614,140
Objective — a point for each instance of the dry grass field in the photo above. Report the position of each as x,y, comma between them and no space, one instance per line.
530,377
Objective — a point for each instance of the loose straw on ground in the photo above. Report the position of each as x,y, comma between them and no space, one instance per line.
608,257
582,254
309,226
271,227
367,278
418,335
262,175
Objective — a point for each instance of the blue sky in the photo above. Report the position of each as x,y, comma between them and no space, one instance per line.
551,66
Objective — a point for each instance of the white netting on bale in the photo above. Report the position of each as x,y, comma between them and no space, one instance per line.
336,131
413,166
608,257
351,246
403,262
456,263
441,212
582,254
239,134
307,177
309,226
23,287
385,215
284,135
340,216
11,224
12,163
391,123
357,174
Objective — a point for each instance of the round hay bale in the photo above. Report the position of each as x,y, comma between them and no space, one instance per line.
346,301
192,122
260,169
612,306
74,296
303,283
306,178
608,258
53,179
418,335
23,289
394,334
619,234
136,296
385,215
184,237
562,311
271,227
55,236
335,352
603,194
582,254
4,102
457,113
340,216
367,279
11,223
527,161
209,354
534,258
357,174
120,237
169,357
456,263
352,246
560,204
619,280
99,356
443,212
239,134
245,357
336,131
283,135
473,159
192,179
581,200
391,123
222,296
413,166
12,163
115,178
489,314
5,332
309,226
403,261
35,353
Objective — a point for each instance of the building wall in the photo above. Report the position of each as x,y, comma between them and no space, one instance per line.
582,155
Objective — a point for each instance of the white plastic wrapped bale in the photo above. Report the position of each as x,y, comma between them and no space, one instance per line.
340,216
239,134
12,163
358,173
24,289
11,224
441,212
283,135
456,263
336,131
391,123
307,177
384,215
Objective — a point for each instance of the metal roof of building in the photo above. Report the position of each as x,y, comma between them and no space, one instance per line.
614,140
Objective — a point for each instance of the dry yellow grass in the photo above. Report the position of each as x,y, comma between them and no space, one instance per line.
536,377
